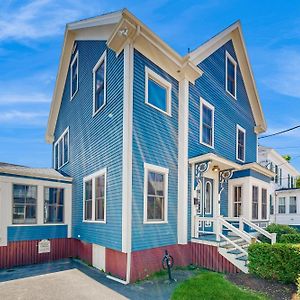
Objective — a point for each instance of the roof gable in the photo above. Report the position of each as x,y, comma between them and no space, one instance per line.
234,33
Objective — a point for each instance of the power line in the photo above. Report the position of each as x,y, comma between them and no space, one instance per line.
279,132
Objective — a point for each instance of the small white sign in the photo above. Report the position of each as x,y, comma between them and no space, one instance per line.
44,246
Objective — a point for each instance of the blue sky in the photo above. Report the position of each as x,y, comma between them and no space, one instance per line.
31,34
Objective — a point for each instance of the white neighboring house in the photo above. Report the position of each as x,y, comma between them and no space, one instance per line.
284,196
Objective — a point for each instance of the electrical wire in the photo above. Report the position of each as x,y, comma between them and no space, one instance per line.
279,132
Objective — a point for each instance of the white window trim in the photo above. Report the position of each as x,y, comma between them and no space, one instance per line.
210,198
238,127
71,76
100,61
56,143
210,106
149,74
228,56
93,177
165,172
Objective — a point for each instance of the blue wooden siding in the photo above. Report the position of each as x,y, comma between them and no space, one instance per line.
228,111
252,173
95,142
155,141
27,233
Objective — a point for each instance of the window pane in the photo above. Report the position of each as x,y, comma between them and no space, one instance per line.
230,77
254,202
53,205
100,197
99,209
56,156
66,147
158,208
241,145
293,205
264,204
99,86
100,186
88,210
88,190
237,208
74,77
281,205
207,123
207,197
60,153
157,95
19,193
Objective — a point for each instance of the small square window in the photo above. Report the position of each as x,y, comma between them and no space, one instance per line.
231,69
74,76
99,81
158,92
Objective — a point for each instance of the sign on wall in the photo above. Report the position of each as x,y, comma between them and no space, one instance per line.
44,246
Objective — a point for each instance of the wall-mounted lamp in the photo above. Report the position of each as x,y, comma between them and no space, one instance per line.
215,169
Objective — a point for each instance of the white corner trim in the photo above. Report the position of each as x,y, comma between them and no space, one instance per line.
165,172
92,177
240,128
75,58
150,74
183,164
229,57
100,61
210,106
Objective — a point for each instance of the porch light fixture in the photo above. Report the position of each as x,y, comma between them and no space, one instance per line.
215,169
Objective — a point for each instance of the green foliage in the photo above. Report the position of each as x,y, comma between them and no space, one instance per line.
287,157
290,238
210,285
298,182
280,230
278,261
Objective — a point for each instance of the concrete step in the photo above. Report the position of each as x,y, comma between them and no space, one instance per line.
235,251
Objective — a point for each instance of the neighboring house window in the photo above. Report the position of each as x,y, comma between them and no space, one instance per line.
254,202
281,205
237,201
155,194
271,205
293,205
99,80
289,180
240,143
61,150
53,205
158,92
231,67
280,176
208,197
292,181
276,174
263,204
74,76
95,197
207,112
24,204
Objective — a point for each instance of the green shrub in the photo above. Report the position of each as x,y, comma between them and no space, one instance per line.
278,261
291,238
279,229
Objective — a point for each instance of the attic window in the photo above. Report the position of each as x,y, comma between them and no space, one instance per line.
74,76
231,75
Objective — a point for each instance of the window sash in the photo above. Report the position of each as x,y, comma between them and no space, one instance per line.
237,202
74,76
281,205
293,205
53,205
24,204
61,150
263,204
230,75
206,123
241,144
255,202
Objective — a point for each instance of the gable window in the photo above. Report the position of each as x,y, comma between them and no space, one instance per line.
240,143
231,67
53,205
281,205
254,202
74,76
24,204
263,204
158,92
293,205
207,112
95,197
237,201
155,194
61,150
99,81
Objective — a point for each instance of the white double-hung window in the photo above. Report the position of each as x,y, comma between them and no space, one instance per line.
231,70
62,150
207,112
240,143
94,197
157,91
155,194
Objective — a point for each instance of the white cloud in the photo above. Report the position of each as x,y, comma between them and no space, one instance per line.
18,98
42,18
16,118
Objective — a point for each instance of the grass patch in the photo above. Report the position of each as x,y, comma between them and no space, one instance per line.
210,285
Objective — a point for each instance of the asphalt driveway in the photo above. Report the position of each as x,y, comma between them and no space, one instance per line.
71,279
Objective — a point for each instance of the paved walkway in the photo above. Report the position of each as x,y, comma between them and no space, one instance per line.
71,279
